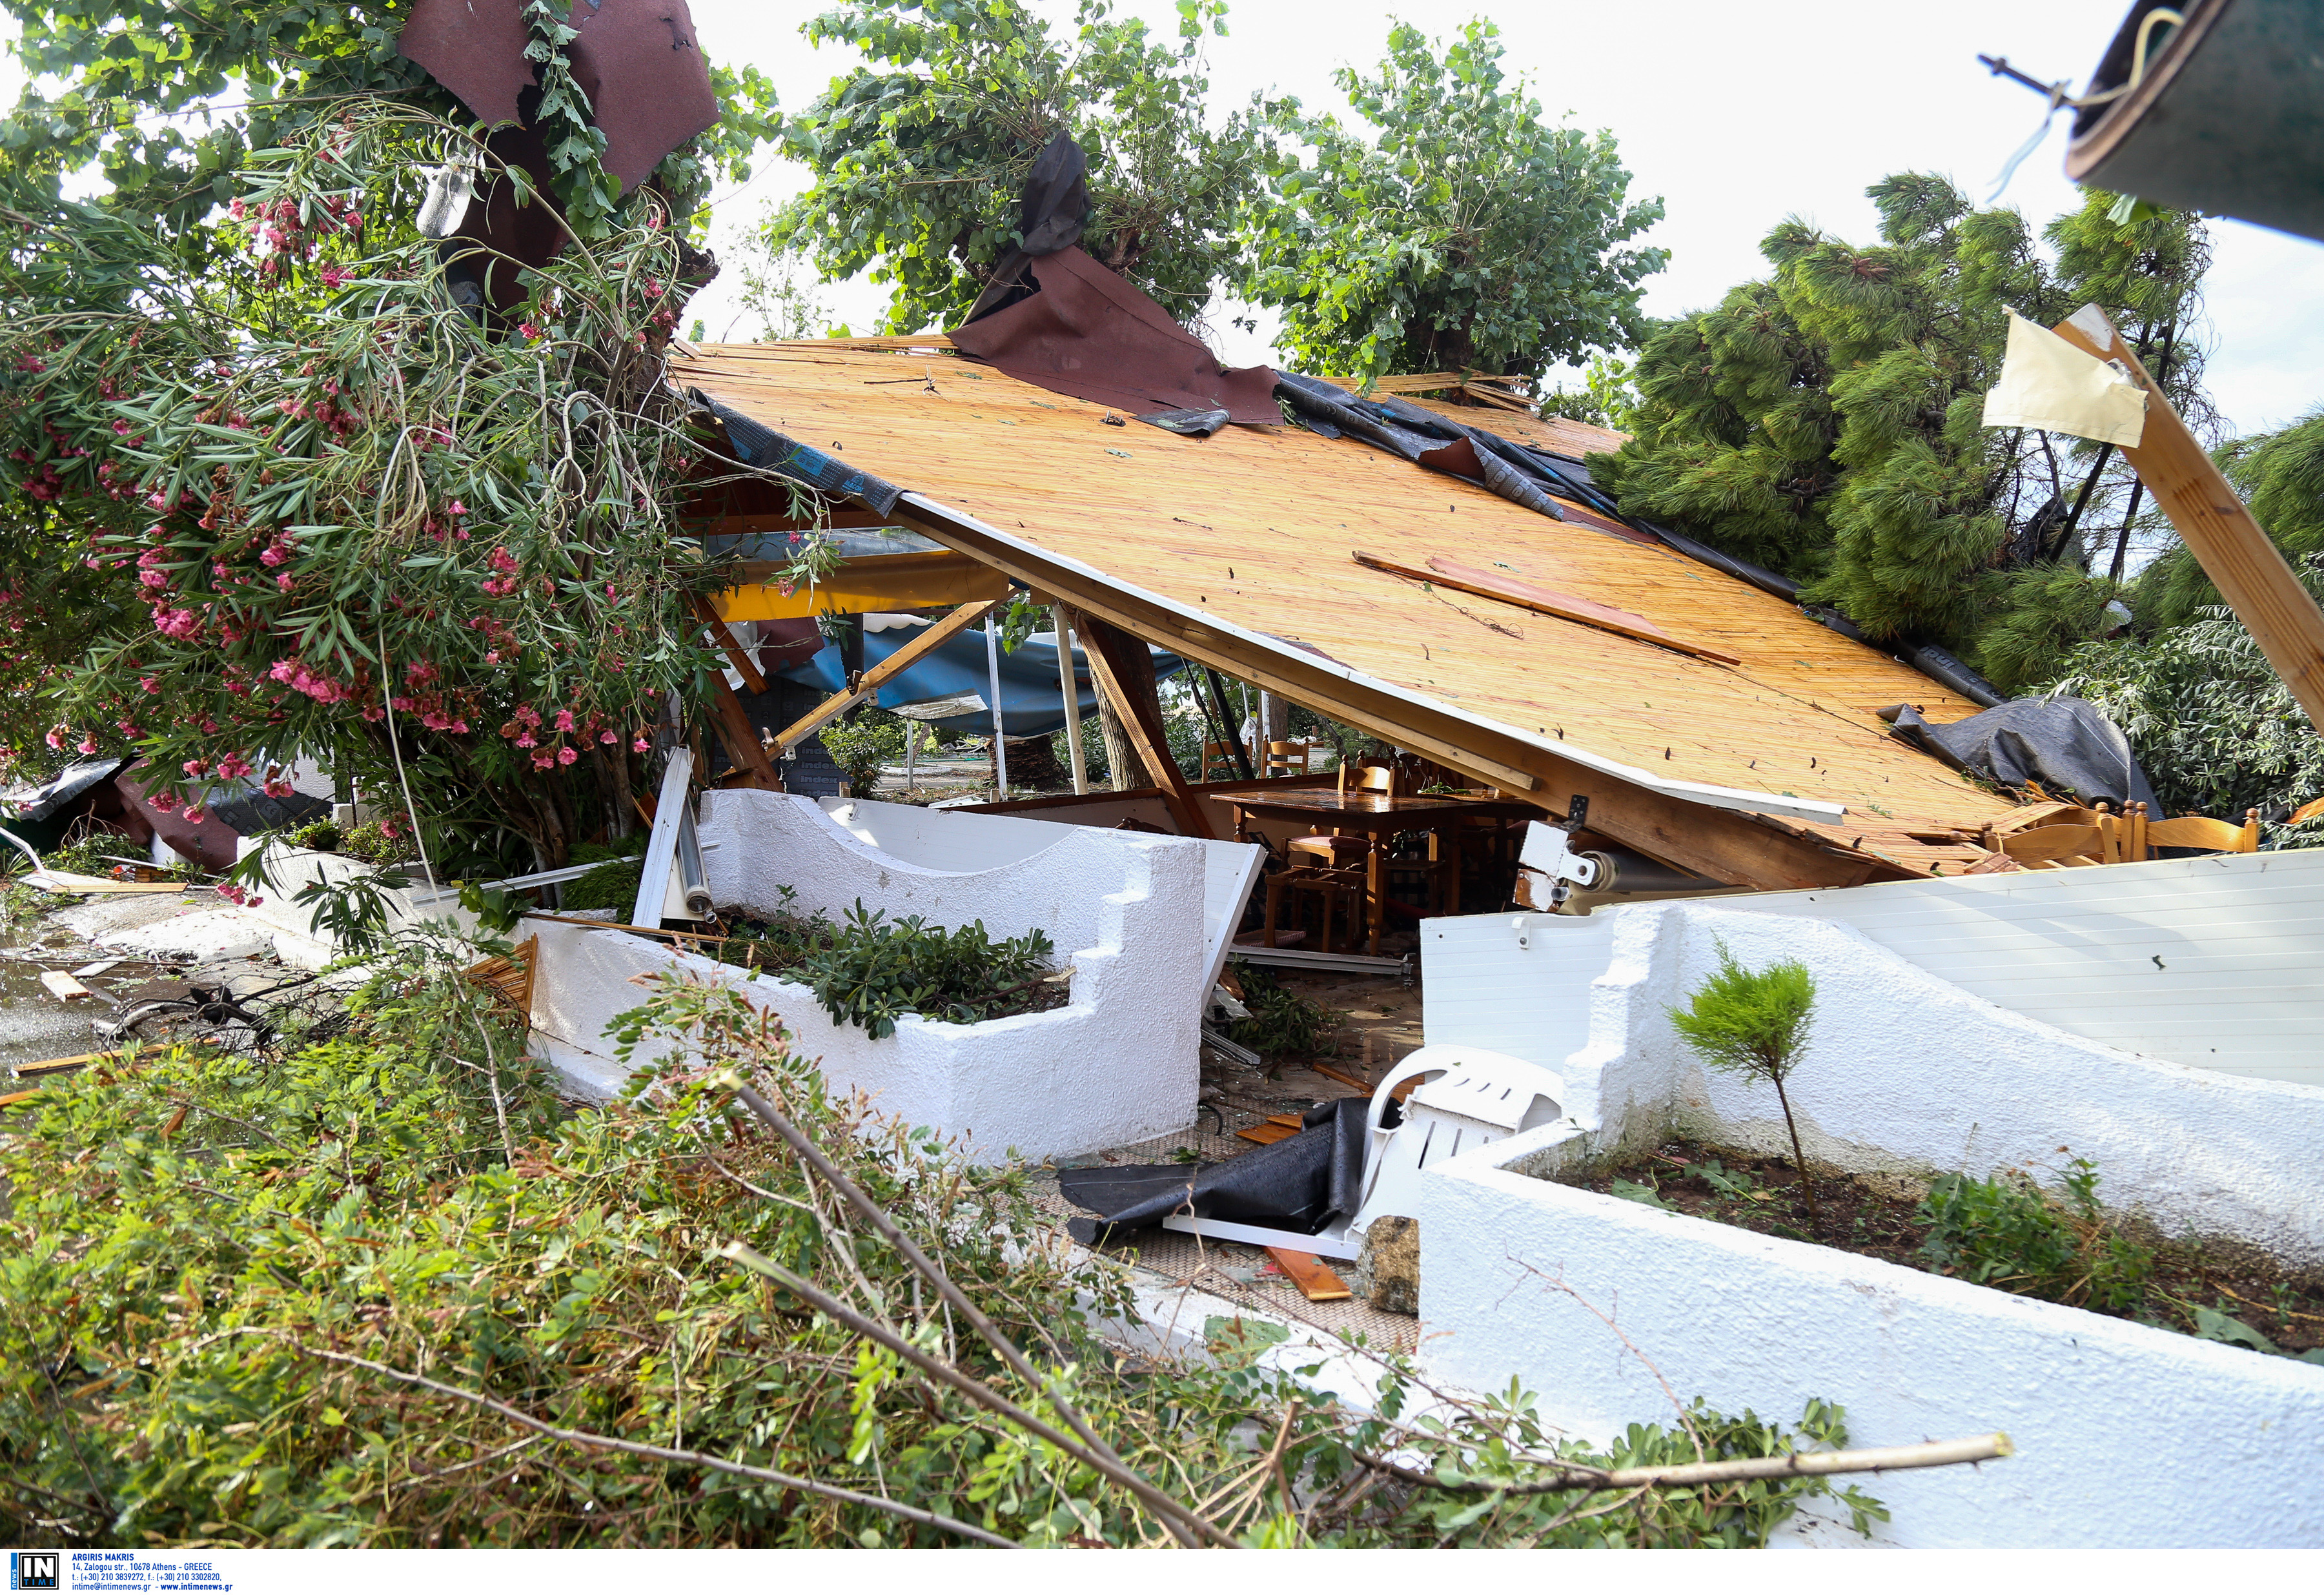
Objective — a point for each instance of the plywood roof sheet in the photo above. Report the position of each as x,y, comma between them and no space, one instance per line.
1258,527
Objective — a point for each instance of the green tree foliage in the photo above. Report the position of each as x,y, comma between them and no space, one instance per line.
1755,1024
919,157
330,513
2280,476
317,1294
2214,726
1826,421
1466,232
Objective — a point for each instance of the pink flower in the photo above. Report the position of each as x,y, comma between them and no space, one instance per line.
564,720
286,581
502,561
88,745
528,740
57,735
196,813
529,330
640,745
389,829
456,508
566,755
272,555
609,737
336,276
197,766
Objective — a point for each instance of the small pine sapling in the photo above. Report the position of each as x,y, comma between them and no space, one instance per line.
1756,1025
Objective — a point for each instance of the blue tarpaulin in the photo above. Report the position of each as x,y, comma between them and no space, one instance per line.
1032,699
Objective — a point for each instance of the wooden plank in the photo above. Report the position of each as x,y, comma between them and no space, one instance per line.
81,1060
1341,1076
1541,600
725,639
1309,1272
62,986
881,582
17,1098
1107,650
2249,570
1267,1135
930,639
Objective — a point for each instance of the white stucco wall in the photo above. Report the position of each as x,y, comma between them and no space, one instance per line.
2125,1436
949,868
1120,1064
1905,1071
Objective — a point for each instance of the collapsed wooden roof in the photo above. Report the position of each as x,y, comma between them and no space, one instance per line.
1411,603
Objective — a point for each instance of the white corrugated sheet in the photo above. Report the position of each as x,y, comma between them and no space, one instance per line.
2217,962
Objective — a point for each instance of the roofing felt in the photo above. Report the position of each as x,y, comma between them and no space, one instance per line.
1261,527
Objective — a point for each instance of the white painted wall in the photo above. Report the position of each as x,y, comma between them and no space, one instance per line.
2127,1436
948,867
1117,1065
2217,962
1905,1071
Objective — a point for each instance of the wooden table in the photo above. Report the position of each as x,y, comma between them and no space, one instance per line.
1375,816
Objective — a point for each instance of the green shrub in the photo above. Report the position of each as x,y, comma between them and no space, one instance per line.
379,842
2008,1233
319,836
1282,1021
873,970
611,885
862,746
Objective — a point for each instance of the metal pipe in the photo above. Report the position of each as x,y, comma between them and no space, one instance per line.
1072,690
992,669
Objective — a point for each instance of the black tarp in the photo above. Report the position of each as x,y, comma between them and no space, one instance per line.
1299,1184
2065,744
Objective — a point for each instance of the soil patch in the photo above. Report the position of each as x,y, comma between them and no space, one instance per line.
2211,1291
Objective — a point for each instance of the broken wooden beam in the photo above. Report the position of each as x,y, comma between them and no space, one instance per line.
929,639
736,655
2241,559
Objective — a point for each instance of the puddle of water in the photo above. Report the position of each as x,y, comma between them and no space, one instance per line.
34,1024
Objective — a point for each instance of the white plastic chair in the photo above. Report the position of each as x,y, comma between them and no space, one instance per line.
1472,1095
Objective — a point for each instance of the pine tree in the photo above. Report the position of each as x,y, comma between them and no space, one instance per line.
1826,421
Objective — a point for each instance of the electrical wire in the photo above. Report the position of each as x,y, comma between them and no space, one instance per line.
2059,99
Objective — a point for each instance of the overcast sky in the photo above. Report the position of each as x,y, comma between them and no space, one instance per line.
1734,115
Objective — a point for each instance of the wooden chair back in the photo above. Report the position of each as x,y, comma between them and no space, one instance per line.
2194,831
1219,756
1369,778
1288,758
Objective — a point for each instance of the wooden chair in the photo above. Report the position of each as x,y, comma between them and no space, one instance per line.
2057,847
1344,886
1288,759
1219,756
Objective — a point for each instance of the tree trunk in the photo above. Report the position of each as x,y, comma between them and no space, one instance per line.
1123,767
1033,763
1799,1159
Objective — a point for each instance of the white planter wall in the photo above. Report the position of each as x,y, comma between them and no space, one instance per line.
1119,1064
2127,1436
1905,1071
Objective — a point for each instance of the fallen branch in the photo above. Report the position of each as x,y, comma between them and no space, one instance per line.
1799,1464
1188,1528
587,1441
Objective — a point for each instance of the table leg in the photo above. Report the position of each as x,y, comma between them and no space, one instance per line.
1375,884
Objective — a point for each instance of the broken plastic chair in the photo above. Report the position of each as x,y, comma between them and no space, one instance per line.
1468,1096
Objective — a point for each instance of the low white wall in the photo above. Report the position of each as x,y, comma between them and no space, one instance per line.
2127,1436
947,867
2217,962
291,923
1905,1071
1119,1064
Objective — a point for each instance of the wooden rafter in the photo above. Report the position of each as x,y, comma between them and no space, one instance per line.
880,675
1541,600
1106,648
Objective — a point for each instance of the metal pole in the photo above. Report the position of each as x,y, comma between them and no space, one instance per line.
1072,698
911,751
992,669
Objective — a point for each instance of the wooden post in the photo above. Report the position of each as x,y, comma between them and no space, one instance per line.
741,740
992,674
2249,570
1114,661
1072,698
